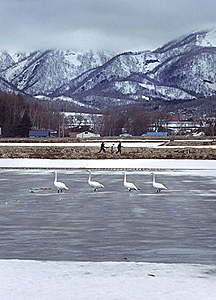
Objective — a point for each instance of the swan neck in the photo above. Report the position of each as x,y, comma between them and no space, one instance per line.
124,177
55,177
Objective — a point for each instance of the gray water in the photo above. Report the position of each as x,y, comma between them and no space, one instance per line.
176,226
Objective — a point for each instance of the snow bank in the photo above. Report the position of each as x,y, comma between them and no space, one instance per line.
36,280
181,164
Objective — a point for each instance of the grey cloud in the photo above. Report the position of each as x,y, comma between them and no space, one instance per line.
119,25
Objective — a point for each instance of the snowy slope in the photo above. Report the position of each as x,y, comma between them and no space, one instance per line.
181,69
208,39
42,71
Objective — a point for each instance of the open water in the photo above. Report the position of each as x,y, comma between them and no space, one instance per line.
176,226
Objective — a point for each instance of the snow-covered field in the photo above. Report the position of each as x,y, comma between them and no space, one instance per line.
36,280
70,280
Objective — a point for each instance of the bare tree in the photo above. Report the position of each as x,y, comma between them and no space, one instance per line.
14,107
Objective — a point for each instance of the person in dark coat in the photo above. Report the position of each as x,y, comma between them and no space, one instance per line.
102,148
112,148
119,148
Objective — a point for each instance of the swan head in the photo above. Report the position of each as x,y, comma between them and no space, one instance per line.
123,172
54,172
89,171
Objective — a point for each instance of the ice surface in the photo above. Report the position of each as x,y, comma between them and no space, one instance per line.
57,280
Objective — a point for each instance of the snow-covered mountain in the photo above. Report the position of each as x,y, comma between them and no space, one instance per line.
181,69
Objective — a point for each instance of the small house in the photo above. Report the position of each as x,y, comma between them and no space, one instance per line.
152,133
39,133
73,134
87,134
173,118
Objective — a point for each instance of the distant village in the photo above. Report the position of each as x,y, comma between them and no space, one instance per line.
171,126
23,117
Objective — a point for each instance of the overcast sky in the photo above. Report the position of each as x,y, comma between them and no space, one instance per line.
116,25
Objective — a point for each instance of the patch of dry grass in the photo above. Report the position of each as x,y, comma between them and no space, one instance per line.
55,152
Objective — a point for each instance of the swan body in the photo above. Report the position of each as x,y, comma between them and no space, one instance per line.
158,186
96,185
59,185
129,185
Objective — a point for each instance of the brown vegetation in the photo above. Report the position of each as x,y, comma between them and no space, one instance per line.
61,152
19,114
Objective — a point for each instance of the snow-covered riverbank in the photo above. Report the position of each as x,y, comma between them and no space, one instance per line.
36,280
181,164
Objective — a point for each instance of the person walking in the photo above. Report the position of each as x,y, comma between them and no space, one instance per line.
102,147
119,148
112,148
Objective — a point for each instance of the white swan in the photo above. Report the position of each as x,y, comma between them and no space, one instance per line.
96,185
129,185
158,186
59,185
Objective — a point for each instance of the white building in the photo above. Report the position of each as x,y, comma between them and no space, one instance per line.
87,134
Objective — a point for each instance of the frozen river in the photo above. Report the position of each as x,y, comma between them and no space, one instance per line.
178,225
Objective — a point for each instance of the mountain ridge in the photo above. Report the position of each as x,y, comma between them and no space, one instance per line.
181,69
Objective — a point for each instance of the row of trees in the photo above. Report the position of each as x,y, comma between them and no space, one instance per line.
19,114
134,120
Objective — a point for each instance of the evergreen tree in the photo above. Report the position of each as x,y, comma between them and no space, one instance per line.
21,129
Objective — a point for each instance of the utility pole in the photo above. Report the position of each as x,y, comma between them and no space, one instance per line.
59,131
63,128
